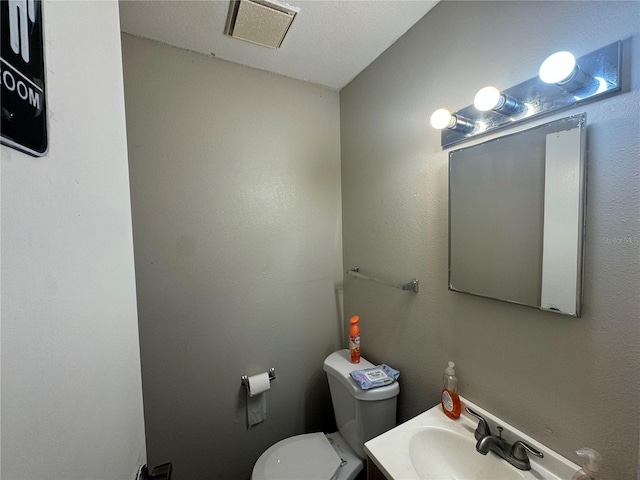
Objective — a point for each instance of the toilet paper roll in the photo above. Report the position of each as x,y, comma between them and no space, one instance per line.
259,383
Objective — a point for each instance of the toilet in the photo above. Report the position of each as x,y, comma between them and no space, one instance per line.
360,416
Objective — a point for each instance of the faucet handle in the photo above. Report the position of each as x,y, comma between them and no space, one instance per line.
519,451
483,427
518,456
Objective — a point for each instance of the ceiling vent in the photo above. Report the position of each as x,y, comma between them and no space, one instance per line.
260,21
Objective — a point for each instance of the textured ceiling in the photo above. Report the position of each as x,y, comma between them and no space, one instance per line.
329,43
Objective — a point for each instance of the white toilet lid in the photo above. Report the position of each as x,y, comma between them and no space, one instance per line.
303,457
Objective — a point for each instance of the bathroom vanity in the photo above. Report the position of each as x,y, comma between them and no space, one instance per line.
373,472
432,446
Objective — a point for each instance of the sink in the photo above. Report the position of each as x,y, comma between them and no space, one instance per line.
430,450
431,446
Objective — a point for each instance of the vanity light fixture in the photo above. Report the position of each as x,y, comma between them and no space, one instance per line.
562,81
490,98
443,118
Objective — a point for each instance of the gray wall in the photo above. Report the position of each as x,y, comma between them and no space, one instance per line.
235,179
71,390
567,382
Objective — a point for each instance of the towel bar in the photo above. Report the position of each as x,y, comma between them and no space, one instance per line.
412,285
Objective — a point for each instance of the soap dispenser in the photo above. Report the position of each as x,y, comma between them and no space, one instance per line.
590,464
449,398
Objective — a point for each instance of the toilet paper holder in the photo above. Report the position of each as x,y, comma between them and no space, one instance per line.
245,378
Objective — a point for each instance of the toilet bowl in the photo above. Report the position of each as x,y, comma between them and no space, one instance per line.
360,416
311,456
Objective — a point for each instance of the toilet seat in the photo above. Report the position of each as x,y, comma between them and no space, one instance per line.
305,457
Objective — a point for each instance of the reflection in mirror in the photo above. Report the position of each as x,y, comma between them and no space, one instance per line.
516,210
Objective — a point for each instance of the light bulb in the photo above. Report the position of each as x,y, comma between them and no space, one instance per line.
487,98
441,118
557,67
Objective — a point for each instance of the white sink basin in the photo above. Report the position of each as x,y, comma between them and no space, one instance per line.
433,446
430,450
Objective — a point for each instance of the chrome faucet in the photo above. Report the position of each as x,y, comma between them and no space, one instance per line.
515,454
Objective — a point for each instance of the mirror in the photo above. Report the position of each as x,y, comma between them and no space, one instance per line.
516,210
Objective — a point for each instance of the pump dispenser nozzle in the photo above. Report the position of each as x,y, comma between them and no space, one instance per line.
449,370
590,466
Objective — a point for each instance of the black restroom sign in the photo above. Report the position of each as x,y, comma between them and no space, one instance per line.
22,97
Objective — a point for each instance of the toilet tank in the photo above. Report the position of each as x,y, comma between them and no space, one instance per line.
360,414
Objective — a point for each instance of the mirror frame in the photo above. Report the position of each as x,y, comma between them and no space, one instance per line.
565,124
